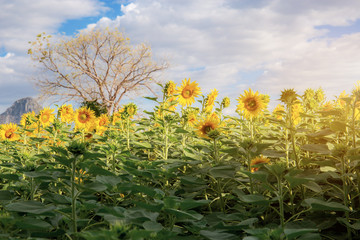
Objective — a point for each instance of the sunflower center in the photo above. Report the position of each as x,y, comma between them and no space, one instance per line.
45,118
251,104
83,117
102,122
207,129
187,93
9,133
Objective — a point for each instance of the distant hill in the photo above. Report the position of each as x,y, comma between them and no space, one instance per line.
18,108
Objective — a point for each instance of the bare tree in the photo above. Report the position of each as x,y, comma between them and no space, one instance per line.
99,64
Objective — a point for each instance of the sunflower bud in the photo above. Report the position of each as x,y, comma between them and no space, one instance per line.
77,148
225,102
288,96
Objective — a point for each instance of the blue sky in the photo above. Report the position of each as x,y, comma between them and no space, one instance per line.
266,45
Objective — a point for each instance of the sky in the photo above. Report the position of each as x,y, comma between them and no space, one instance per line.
230,45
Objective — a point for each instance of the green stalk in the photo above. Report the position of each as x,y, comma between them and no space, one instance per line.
287,147
166,139
216,152
128,133
73,196
281,202
345,191
219,189
292,133
353,124
250,177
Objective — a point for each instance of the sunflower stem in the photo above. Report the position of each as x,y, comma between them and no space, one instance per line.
73,196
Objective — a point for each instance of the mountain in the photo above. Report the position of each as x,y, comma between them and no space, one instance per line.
18,108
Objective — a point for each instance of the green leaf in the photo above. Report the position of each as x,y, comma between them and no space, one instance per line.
95,187
152,98
143,144
12,177
225,171
109,181
187,204
254,199
294,233
181,130
29,207
320,205
184,215
296,181
153,226
321,133
6,195
316,148
217,235
313,186
33,224
338,126
355,226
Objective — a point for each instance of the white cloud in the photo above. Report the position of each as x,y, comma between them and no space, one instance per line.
214,41
20,22
228,37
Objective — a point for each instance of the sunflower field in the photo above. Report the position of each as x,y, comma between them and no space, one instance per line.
186,172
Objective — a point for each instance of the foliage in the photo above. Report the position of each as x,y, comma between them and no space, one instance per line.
186,174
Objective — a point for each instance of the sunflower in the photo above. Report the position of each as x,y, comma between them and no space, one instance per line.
251,104
296,110
207,125
279,111
66,113
327,106
225,102
288,96
28,120
8,132
191,118
187,92
172,103
101,124
210,100
130,110
340,100
170,88
258,160
46,117
84,118
117,116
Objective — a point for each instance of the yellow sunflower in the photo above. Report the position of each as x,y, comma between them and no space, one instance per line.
207,125
117,116
296,110
191,119
187,92
66,113
279,111
46,117
225,102
172,103
210,100
288,96
101,124
84,118
327,106
258,160
170,88
251,104
28,119
8,132
340,101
